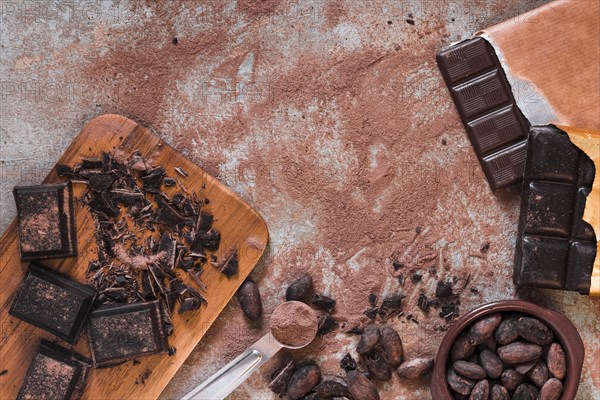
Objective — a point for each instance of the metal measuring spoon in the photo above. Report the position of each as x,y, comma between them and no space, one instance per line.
228,378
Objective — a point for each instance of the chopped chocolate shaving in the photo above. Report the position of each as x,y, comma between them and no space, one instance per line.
205,222
326,324
443,289
423,302
393,302
229,265
323,302
373,300
169,182
181,172
210,240
101,202
101,182
153,180
178,286
191,303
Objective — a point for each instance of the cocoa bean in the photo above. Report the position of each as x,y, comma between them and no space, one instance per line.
469,370
551,390
539,374
526,367
506,332
519,352
415,368
484,328
360,387
511,379
330,388
525,391
557,364
481,391
249,299
490,363
311,396
298,290
459,384
489,343
499,392
303,381
368,340
535,331
377,365
392,346
279,384
461,349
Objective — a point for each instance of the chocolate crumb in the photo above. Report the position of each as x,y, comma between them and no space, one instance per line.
3,372
443,289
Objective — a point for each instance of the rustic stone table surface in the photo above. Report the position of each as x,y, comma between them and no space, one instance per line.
329,117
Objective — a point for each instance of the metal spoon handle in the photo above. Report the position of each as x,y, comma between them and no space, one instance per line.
228,378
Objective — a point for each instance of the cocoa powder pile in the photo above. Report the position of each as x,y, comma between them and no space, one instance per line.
294,324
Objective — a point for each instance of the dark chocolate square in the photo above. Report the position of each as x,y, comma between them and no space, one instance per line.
465,59
506,166
481,94
46,221
55,373
555,246
53,302
121,332
496,130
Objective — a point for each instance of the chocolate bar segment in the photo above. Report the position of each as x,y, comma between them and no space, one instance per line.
121,332
555,246
46,221
496,127
55,373
53,302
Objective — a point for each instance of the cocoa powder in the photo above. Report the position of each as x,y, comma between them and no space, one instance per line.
294,324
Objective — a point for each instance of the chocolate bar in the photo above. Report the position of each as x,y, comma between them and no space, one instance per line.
121,332
55,373
46,221
53,302
496,127
555,246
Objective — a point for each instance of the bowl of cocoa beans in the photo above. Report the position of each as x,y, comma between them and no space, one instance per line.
509,350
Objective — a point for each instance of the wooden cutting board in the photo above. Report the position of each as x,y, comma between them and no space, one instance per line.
239,224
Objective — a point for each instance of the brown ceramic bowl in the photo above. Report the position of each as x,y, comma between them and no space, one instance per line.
564,331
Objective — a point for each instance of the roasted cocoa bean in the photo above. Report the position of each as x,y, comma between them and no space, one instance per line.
526,391
249,298
392,346
519,352
377,365
360,387
481,391
539,374
535,331
506,332
459,384
279,383
368,340
484,328
329,388
311,396
299,289
490,363
526,367
499,392
461,349
551,390
415,368
469,370
489,343
557,364
303,381
511,379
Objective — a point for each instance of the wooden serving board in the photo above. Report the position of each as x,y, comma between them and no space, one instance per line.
240,227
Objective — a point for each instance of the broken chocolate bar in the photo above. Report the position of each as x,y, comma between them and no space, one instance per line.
555,246
55,373
53,302
46,221
121,332
496,127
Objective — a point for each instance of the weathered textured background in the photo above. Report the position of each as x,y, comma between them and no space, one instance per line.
329,117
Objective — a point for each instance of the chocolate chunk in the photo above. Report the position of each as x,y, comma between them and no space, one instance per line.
248,296
303,381
298,290
229,265
393,302
323,302
101,182
443,289
326,324
168,215
360,387
153,180
53,302
102,202
46,221
121,332
555,246
55,373
347,363
423,302
206,221
279,384
189,304
209,240
169,182
373,300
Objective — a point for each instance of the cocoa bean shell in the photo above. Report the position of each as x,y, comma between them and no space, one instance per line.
368,340
303,381
469,370
481,391
459,384
499,392
299,289
391,343
535,331
279,383
248,296
556,361
539,374
484,328
519,352
360,387
491,363
552,389
415,368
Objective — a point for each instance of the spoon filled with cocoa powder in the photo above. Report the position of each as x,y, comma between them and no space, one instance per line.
293,326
